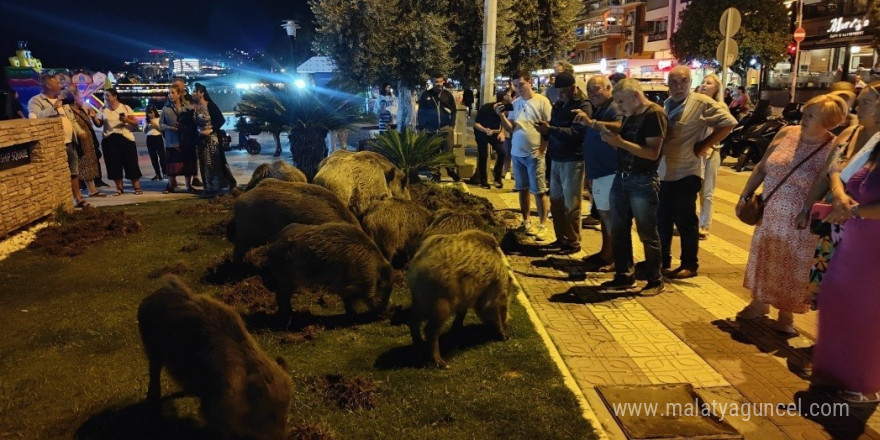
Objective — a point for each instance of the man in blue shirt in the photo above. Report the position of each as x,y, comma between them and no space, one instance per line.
600,160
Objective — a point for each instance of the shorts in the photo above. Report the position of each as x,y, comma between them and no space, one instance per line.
72,159
602,192
530,173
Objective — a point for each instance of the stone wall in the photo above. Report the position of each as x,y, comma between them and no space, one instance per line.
32,191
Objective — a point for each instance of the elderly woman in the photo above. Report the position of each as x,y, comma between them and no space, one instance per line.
849,322
853,147
782,249
120,151
711,86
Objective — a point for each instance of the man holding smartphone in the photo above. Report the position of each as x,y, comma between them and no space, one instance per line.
635,193
50,104
565,138
528,150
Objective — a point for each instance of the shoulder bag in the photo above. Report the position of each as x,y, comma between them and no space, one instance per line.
753,209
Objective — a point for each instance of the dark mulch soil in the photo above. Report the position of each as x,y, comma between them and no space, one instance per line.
348,392
249,294
435,197
78,231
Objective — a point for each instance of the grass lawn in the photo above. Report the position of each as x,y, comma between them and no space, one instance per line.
71,362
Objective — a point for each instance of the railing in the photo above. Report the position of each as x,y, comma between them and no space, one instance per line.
605,31
657,37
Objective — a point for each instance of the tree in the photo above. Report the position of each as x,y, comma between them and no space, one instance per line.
374,41
403,42
764,33
466,25
543,33
268,109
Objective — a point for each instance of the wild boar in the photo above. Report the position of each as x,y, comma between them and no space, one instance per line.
205,347
261,213
451,274
280,170
336,256
396,226
362,178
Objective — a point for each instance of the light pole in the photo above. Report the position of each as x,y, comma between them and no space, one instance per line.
799,35
487,79
290,26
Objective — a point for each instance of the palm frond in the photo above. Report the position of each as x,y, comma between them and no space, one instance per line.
412,151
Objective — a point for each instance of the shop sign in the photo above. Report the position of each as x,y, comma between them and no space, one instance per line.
14,156
841,27
664,65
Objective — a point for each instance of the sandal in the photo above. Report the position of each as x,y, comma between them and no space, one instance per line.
857,397
119,192
97,194
83,204
138,192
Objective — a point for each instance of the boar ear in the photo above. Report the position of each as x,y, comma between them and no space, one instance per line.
281,362
389,175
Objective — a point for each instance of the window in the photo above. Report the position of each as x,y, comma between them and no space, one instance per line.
854,7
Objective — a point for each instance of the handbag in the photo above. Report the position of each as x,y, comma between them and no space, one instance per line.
753,209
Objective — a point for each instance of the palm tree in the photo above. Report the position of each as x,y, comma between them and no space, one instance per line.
413,151
312,117
269,109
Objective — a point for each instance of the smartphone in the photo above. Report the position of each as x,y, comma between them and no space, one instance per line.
508,107
820,211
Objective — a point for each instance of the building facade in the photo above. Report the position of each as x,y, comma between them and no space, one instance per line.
837,46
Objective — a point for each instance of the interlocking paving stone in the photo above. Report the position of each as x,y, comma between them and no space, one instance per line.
686,335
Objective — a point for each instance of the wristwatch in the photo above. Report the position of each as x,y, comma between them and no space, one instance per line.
855,211
745,198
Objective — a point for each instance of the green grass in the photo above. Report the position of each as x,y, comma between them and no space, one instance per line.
71,362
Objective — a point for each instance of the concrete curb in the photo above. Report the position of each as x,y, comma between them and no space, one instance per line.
587,412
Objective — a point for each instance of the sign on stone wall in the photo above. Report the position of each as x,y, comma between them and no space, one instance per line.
15,155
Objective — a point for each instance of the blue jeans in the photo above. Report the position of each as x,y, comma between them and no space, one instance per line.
566,186
635,196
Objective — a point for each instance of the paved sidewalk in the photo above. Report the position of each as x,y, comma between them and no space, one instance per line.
687,335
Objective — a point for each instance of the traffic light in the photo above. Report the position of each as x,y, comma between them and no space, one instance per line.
791,49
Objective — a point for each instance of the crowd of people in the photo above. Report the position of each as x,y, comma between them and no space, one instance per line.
652,163
182,139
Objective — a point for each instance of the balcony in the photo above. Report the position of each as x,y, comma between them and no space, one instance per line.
657,37
605,32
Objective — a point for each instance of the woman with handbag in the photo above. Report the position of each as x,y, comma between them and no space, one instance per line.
849,323
854,146
782,248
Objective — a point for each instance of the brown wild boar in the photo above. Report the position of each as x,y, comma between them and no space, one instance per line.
261,213
280,170
362,178
451,274
336,256
205,347
449,221
396,226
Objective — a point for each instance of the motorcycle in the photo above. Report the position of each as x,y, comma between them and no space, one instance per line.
749,140
245,142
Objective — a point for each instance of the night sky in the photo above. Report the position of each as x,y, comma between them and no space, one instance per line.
79,35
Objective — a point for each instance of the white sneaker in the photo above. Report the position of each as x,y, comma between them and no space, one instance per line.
527,228
544,233
507,176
